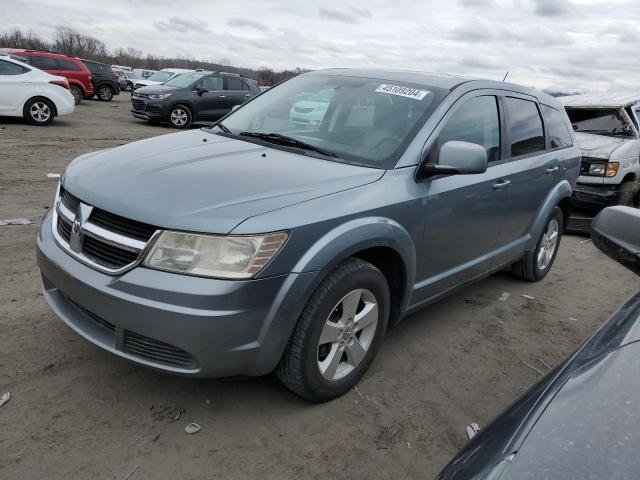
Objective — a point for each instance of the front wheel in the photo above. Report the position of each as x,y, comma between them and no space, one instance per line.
338,334
535,265
630,194
180,117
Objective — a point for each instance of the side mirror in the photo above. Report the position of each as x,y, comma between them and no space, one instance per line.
458,158
616,232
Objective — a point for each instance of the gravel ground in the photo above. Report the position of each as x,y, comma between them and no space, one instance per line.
79,412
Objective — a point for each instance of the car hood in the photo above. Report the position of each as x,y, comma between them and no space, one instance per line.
599,146
199,181
154,89
309,104
145,82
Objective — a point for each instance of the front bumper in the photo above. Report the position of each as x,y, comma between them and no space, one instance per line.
601,195
175,323
146,109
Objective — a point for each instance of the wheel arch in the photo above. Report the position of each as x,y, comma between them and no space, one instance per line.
559,196
40,97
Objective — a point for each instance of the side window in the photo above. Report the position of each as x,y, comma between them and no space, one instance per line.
44,63
67,65
245,86
213,84
8,68
558,130
525,126
476,121
234,83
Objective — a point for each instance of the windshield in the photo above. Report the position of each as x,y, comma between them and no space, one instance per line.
184,80
355,120
133,75
603,121
160,76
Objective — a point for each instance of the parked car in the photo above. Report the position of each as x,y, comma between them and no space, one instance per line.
253,245
122,67
607,130
161,76
195,96
127,79
311,110
30,93
580,421
72,68
104,80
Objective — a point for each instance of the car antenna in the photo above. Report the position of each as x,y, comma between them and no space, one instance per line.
505,76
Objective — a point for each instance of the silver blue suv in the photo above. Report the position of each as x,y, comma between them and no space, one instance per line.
264,244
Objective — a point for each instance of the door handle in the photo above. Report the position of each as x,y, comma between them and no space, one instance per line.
222,96
247,95
551,170
502,185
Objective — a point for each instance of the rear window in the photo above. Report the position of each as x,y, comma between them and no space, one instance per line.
525,126
558,131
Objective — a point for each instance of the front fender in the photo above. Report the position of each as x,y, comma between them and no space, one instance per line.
356,235
561,190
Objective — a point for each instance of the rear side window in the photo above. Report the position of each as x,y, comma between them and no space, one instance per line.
8,68
234,83
44,63
525,126
67,65
558,130
476,121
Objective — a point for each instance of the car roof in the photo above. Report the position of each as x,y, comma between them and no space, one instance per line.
446,81
176,70
612,99
39,53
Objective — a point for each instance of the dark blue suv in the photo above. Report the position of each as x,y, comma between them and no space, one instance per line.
263,243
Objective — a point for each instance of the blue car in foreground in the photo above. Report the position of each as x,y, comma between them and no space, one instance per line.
257,245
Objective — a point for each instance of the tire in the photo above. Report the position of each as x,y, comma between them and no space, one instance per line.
129,87
306,366
39,111
104,93
529,267
180,116
630,194
77,94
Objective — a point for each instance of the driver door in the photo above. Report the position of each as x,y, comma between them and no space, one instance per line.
463,212
211,101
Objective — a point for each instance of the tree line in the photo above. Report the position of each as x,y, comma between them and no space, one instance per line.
69,41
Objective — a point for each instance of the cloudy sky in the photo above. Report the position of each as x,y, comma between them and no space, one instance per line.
560,44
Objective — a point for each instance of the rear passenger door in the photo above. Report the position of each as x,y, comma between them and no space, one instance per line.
237,91
531,171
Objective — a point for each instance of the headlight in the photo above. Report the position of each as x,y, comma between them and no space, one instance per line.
597,169
160,96
213,256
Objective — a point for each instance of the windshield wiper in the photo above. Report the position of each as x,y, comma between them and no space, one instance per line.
221,126
284,140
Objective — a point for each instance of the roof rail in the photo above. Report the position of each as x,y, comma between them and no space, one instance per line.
230,73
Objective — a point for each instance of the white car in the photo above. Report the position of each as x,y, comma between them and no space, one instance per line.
161,76
33,94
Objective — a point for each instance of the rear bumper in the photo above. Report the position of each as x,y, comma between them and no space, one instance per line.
595,195
178,324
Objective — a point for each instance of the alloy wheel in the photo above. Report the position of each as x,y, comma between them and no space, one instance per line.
347,334
548,244
179,117
40,112
105,93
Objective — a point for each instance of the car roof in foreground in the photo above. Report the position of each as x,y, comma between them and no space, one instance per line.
614,99
439,80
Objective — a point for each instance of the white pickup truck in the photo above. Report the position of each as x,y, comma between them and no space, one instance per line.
608,133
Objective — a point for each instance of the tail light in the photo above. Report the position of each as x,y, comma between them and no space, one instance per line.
61,83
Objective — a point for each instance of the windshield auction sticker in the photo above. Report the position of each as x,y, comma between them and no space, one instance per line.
402,91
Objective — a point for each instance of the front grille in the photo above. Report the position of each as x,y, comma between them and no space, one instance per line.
124,226
105,254
64,229
138,104
101,322
70,201
157,351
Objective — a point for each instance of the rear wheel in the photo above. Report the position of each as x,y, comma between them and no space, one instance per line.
535,265
105,93
180,116
630,194
338,334
38,111
77,94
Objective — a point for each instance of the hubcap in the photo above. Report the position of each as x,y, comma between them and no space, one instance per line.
105,93
179,117
347,334
548,244
40,111
76,94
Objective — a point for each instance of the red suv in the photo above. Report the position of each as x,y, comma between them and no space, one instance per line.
72,68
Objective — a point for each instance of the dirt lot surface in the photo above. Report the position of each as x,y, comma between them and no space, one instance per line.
79,412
